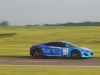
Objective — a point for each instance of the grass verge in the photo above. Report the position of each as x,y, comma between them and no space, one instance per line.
5,70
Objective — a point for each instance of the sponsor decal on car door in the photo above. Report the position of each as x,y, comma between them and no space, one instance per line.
65,51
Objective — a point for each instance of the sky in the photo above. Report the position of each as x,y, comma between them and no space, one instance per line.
30,12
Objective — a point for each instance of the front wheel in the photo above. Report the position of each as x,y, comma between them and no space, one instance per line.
37,53
75,54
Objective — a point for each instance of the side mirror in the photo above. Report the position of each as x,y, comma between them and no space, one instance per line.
67,46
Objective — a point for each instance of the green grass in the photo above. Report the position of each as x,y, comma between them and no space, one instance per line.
16,40
4,70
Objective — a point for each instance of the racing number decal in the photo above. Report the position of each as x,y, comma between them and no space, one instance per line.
65,51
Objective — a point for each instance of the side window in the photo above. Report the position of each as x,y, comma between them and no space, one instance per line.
56,44
49,44
60,44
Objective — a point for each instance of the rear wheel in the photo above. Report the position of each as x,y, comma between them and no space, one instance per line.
37,53
75,54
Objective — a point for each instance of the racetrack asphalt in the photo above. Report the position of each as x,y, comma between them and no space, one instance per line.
27,60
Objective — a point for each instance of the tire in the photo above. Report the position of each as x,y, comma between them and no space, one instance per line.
37,54
75,54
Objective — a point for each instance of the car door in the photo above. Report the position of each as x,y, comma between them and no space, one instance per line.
52,49
64,49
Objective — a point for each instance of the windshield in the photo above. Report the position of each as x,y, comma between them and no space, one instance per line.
73,45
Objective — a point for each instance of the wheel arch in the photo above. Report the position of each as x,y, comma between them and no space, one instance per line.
75,50
34,48
37,48
37,53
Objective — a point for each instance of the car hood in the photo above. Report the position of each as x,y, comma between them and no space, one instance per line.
84,48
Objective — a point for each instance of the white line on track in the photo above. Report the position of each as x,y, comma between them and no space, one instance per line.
49,66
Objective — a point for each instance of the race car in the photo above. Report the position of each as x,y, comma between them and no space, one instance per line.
60,49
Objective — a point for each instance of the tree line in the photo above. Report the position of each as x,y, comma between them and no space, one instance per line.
75,24
4,23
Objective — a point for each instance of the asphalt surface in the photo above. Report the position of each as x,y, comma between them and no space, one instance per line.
26,60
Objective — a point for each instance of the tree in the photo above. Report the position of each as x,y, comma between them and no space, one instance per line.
4,23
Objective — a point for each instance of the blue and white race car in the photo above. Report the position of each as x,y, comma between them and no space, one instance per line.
60,49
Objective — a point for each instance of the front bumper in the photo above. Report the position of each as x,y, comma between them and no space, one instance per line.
87,54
